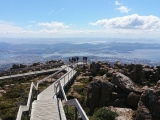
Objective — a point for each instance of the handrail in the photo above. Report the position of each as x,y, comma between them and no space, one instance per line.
44,79
73,101
27,74
76,103
30,93
61,77
78,106
20,111
57,82
34,67
65,98
27,107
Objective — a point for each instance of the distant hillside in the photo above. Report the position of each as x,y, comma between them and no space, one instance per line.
65,46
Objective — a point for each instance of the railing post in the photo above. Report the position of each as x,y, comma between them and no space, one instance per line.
64,80
75,113
67,112
68,76
28,114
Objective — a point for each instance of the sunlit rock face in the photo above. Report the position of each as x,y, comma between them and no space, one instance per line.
149,104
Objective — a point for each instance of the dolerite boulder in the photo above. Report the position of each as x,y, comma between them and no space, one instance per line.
93,95
16,66
99,94
106,93
123,113
133,75
118,64
125,83
149,104
138,67
133,99
94,67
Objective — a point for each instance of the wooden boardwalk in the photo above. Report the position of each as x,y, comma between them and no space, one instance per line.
47,110
29,73
48,106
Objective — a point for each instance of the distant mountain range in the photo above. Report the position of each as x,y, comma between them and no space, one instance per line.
117,47
145,53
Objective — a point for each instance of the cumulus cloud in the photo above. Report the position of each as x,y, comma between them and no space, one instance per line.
123,9
130,22
53,25
117,3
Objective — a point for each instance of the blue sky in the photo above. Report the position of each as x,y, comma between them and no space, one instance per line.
80,18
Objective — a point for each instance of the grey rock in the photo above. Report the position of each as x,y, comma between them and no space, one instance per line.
125,83
149,104
123,113
133,99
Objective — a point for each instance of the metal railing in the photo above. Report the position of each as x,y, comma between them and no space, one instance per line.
74,102
80,110
23,108
58,85
29,102
39,82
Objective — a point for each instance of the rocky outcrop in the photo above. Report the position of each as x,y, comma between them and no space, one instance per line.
16,66
123,113
94,67
125,83
120,92
133,99
118,64
106,93
93,95
120,89
149,104
139,73
99,94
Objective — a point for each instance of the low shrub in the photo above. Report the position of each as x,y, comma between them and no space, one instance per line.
104,114
101,72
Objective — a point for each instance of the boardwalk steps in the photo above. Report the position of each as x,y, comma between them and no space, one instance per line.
48,107
47,110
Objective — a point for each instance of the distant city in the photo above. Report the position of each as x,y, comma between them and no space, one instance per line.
96,50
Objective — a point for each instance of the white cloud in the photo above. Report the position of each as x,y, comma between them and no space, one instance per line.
53,25
117,3
29,26
123,9
7,26
130,22
127,26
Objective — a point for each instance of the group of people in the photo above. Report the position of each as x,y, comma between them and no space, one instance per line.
76,59
84,59
73,59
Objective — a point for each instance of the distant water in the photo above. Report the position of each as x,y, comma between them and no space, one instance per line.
150,54
6,60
